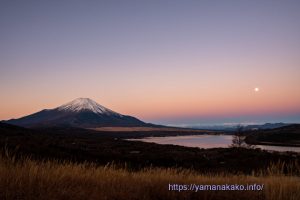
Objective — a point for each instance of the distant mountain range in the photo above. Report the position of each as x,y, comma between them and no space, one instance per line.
86,113
266,126
245,127
82,113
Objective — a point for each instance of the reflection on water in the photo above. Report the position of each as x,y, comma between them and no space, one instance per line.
208,141
278,148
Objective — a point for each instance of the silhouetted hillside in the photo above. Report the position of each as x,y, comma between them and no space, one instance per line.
283,136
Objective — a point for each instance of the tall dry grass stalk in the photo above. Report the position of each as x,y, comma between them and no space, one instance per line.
28,179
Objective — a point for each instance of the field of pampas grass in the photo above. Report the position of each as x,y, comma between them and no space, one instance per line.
29,179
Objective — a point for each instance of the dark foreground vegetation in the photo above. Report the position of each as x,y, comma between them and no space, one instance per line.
87,164
80,145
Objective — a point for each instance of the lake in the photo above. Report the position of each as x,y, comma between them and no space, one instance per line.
208,141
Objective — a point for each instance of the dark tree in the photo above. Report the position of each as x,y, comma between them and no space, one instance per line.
238,139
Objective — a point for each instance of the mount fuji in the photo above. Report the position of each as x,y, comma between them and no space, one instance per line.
81,113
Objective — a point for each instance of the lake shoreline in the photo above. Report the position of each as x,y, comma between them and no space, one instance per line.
274,144
103,148
204,141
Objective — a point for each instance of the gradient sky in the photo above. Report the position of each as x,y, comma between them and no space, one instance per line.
167,62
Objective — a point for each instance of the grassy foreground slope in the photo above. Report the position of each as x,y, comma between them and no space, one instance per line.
29,179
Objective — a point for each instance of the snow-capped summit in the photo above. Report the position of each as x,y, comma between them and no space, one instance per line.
81,112
86,104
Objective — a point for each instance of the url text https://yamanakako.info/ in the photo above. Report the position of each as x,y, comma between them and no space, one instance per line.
224,187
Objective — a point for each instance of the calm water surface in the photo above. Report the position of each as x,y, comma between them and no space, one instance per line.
208,141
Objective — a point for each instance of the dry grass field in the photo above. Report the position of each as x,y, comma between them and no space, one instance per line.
29,179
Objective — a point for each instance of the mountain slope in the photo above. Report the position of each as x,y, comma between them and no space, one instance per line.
283,136
81,112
